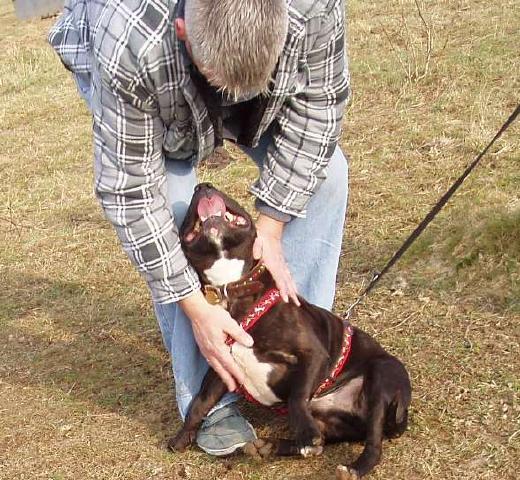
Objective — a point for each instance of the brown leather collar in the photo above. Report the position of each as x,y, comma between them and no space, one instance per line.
247,285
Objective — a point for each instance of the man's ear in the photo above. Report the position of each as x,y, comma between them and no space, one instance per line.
180,29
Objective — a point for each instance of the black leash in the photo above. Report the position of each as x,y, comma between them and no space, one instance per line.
431,215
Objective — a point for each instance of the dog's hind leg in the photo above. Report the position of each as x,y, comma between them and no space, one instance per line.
371,454
383,384
210,393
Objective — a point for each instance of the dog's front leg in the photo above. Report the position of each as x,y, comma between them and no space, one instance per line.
307,435
308,440
210,393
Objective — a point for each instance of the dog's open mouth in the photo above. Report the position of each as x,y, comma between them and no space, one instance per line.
214,208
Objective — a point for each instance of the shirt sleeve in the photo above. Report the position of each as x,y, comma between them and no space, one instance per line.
309,123
130,179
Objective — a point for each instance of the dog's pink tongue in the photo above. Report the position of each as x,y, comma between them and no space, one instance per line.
210,207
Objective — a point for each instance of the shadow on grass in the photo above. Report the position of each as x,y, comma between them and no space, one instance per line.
94,348
89,345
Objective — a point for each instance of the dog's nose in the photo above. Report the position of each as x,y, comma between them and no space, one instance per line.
203,185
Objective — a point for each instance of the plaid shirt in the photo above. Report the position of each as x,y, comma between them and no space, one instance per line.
130,66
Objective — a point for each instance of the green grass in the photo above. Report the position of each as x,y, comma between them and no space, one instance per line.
477,255
84,379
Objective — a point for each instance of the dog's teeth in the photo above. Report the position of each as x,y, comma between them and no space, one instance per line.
240,221
229,216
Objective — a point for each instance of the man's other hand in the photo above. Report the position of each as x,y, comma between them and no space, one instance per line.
268,249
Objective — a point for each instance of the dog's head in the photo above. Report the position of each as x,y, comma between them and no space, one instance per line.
217,236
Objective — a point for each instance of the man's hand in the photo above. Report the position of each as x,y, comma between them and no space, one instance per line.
268,248
211,326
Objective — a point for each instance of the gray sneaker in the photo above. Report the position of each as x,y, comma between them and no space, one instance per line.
224,431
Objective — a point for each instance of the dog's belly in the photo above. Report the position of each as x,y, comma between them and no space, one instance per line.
347,398
256,374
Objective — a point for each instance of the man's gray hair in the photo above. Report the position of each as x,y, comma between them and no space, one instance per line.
236,43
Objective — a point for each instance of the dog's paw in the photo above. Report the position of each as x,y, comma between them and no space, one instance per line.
346,473
181,441
259,448
309,441
313,451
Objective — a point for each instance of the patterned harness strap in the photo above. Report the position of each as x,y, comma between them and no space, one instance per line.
269,300
342,360
266,303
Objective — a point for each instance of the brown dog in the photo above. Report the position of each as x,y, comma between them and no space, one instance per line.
338,384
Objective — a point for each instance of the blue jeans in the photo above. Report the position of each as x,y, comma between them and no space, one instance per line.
311,246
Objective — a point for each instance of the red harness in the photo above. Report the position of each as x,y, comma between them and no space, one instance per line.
268,301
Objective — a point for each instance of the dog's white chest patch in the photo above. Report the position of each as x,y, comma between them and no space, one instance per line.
225,270
256,374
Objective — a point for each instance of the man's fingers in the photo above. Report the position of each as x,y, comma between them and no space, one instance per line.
293,297
283,293
227,362
284,290
293,293
239,334
226,377
275,263
257,248
286,285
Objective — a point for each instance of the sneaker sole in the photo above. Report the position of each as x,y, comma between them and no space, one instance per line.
223,452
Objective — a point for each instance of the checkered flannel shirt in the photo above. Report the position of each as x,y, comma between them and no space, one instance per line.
131,68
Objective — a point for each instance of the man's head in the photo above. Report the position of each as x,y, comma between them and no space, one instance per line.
235,43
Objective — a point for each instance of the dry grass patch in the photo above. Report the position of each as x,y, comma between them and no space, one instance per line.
84,380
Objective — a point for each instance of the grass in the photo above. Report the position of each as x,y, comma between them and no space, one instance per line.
84,379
